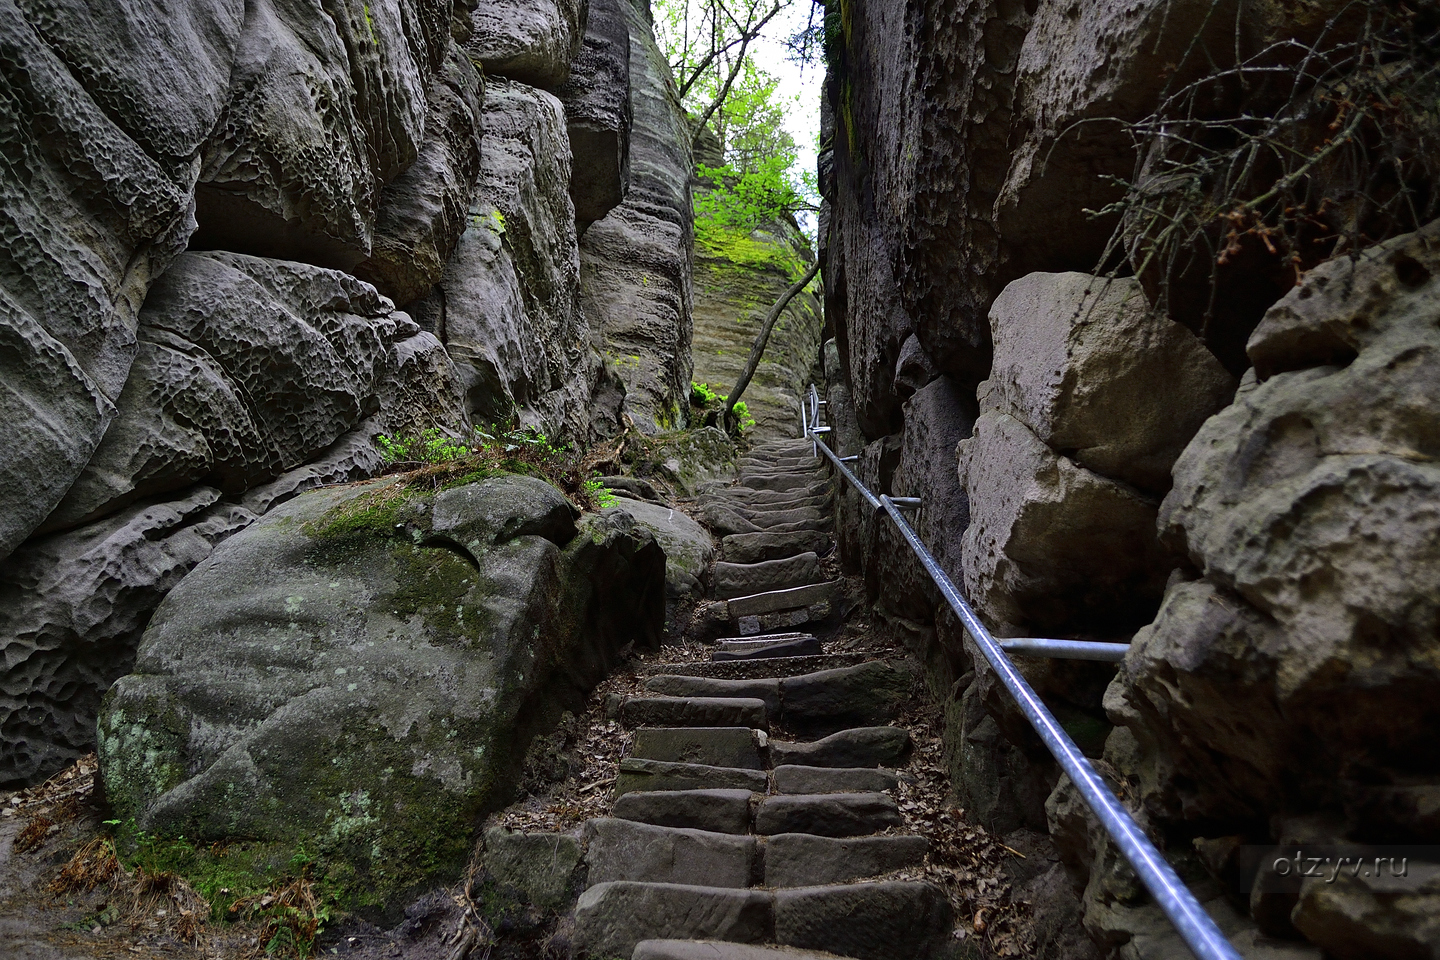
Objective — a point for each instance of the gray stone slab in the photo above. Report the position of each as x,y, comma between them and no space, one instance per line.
828,814
755,547
730,580
539,865
719,811
866,695
626,850
734,643
714,746
889,920
776,481
720,950
803,518
694,712
611,918
792,778
751,496
637,774
802,859
798,647
774,600
860,747
738,669
764,689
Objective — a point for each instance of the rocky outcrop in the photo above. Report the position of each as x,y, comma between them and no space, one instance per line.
96,203
511,294
384,658
636,262
739,275
72,606
422,212
597,113
1309,507
532,41
247,368
325,107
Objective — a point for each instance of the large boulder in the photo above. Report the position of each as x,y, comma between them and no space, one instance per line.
1092,370
360,673
104,111
636,262
1052,545
533,41
689,549
72,606
512,319
597,113
1310,507
423,211
247,368
326,105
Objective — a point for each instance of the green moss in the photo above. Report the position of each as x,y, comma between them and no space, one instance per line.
436,583
737,249
376,512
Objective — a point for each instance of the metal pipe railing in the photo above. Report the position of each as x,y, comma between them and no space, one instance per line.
1194,925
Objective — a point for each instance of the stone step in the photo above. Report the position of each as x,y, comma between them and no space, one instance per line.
798,647
776,600
804,860
757,547
694,712
860,747
712,746
730,580
885,920
866,695
611,918
747,507
637,773
752,497
719,950
776,481
770,519
789,447
828,814
793,778
803,462
764,689
718,811
619,849
749,669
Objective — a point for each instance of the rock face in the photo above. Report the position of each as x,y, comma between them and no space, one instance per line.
738,278
102,207
533,41
1310,508
385,659
325,107
1089,367
511,294
597,113
636,262
72,606
246,368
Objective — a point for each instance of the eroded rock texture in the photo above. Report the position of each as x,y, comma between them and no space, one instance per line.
636,262
100,159
361,672
72,606
597,113
532,41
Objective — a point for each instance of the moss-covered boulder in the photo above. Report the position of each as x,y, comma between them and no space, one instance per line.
355,679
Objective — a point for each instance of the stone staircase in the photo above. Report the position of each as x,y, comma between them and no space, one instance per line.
758,795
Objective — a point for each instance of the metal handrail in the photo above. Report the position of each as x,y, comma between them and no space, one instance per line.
1194,925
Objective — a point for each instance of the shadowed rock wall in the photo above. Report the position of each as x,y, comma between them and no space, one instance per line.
1089,470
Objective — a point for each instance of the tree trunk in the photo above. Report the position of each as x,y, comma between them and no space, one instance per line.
761,339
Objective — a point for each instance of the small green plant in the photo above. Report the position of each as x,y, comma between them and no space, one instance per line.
431,446
702,395
599,494
742,415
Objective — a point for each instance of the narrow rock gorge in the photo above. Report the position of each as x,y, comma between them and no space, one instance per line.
380,576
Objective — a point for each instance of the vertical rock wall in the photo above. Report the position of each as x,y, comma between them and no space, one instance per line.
1089,470
208,215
